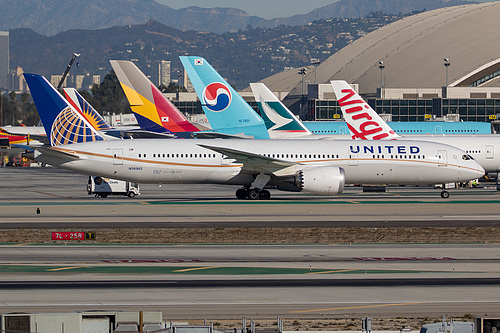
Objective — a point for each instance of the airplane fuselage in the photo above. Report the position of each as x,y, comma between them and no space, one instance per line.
185,161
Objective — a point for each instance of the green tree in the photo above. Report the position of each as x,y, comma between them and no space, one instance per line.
24,97
107,96
13,96
171,88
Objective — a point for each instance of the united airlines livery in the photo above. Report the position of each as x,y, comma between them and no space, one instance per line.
322,167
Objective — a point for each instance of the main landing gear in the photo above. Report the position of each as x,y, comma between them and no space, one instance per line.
253,194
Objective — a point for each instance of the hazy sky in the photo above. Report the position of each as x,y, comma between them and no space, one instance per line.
264,8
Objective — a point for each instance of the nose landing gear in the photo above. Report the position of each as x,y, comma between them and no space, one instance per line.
445,194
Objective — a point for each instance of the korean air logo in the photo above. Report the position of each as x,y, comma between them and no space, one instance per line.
216,97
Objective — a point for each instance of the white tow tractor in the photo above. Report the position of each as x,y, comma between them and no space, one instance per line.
102,187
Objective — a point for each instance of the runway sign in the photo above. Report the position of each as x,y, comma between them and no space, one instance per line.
78,236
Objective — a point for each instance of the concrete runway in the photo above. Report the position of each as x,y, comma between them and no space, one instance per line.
63,201
260,281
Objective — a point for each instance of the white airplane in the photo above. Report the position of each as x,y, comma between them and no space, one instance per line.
365,124
321,167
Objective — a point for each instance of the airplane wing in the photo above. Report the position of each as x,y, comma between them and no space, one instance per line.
217,135
142,134
252,162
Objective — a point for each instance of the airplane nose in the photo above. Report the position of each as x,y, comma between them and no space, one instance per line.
477,171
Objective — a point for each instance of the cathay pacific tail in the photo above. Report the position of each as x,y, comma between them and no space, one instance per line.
280,121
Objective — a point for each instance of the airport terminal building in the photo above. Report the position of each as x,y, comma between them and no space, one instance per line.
441,64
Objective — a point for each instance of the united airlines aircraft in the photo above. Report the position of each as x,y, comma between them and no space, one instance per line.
322,167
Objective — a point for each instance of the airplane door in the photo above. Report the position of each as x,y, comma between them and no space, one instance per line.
442,157
438,130
489,151
343,130
117,156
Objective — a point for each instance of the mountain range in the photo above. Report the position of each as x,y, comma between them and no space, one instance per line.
49,17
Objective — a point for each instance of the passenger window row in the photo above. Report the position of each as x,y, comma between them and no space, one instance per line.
180,155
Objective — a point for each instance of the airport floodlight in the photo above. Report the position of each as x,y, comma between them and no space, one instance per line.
179,75
302,72
381,66
316,64
446,65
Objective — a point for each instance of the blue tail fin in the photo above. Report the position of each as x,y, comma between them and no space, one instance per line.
226,110
63,124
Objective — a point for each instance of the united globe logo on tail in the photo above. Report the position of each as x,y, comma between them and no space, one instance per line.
217,97
69,127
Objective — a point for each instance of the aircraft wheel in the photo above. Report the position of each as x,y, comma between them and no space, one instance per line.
131,194
265,195
445,194
241,193
253,194
104,195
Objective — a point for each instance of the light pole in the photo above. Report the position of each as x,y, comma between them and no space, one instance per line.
381,66
446,65
315,63
179,75
302,72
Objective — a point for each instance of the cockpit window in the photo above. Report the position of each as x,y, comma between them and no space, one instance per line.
467,157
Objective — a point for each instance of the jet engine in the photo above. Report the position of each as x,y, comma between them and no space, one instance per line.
327,180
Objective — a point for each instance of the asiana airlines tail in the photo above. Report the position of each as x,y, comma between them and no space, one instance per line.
320,167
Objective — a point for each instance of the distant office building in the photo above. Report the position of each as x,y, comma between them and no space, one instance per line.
55,79
96,79
79,81
187,83
164,69
4,59
17,81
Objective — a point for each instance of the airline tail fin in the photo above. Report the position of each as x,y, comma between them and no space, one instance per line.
363,122
280,121
81,105
225,109
63,124
154,112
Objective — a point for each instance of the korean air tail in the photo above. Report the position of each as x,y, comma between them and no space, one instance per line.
225,109
279,120
63,124
363,122
81,105
154,112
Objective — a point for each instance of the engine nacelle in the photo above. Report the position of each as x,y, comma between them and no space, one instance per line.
321,180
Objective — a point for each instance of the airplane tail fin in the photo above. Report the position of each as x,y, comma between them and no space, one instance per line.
81,105
363,122
225,109
280,121
63,124
154,112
